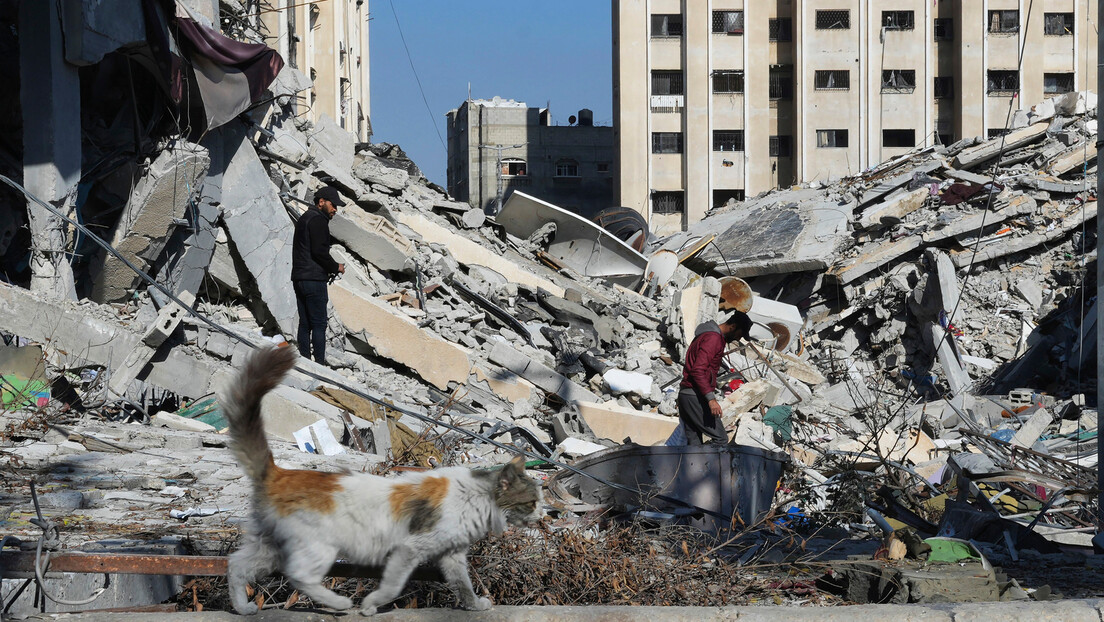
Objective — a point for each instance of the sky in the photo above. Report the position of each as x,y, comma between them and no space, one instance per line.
555,54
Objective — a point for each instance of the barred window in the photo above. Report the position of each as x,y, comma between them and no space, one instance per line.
944,87
944,29
781,146
832,79
780,29
721,197
567,168
897,20
1054,83
668,202
898,80
1004,21
728,22
728,140
780,80
833,20
831,138
899,138
1003,82
666,142
667,83
667,25
1058,24
728,81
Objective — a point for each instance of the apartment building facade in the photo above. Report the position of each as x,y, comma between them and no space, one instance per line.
496,146
715,100
327,41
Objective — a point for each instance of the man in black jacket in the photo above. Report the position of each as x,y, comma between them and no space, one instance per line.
311,268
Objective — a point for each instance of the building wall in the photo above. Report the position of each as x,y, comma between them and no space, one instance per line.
327,41
497,146
880,121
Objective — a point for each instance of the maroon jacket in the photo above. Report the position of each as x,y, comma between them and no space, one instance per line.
703,359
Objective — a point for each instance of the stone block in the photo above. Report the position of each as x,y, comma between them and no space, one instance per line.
1033,428
286,410
372,238
988,150
398,338
540,375
894,208
329,141
617,423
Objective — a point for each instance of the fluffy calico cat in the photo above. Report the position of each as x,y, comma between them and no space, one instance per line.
302,521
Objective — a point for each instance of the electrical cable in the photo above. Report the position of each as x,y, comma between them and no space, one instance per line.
410,59
354,390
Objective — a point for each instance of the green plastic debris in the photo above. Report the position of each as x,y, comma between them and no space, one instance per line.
781,419
206,410
18,392
951,551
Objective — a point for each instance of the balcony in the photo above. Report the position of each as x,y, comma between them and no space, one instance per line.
668,103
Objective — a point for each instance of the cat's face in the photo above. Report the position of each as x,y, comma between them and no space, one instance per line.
517,494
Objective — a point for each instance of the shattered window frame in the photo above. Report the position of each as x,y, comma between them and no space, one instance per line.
1002,82
667,25
1058,24
832,80
780,29
666,142
668,82
831,139
898,20
728,22
833,19
566,167
728,140
1004,21
943,87
728,81
668,201
781,146
899,138
1058,83
943,29
898,80
780,80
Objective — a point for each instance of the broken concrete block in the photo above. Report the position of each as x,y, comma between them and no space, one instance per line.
286,410
469,253
894,208
373,239
398,338
619,381
575,447
871,258
947,281
617,423
1030,291
957,378
158,202
329,141
1033,428
168,318
747,397
1071,159
505,384
176,422
539,374
379,174
566,424
988,150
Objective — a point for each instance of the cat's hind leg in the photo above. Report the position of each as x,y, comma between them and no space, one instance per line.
256,558
400,564
454,566
305,566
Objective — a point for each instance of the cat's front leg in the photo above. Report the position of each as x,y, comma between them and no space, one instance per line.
454,566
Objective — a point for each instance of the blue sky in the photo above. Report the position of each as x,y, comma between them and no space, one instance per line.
543,53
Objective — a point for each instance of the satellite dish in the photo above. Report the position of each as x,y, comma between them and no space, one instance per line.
571,120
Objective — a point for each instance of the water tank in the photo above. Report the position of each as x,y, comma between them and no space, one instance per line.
586,117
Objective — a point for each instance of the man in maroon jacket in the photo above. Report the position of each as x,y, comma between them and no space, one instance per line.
699,410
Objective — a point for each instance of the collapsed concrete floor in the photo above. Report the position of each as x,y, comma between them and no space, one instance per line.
920,372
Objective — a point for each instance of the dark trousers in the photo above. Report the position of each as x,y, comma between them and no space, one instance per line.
697,420
311,298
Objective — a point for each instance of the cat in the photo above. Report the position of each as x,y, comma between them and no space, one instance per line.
302,521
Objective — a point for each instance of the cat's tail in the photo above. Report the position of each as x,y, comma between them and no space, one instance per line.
241,403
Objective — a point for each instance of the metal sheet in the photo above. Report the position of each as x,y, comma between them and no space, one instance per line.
579,244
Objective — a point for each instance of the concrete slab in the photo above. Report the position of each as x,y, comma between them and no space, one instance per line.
988,150
874,256
286,410
542,376
327,140
1073,220
1073,159
399,338
957,378
894,208
947,280
620,424
1033,428
968,225
505,384
373,239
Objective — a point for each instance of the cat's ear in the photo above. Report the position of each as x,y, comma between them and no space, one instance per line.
518,464
511,472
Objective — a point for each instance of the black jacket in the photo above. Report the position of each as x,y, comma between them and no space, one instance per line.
310,249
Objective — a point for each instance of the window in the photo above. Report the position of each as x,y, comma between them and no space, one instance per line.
1057,83
514,166
666,83
833,20
667,25
899,138
1058,24
728,140
603,167
897,20
780,29
721,197
1003,82
567,168
728,81
728,22
666,142
831,138
780,82
898,80
781,146
945,138
1004,21
944,29
832,79
667,202
944,87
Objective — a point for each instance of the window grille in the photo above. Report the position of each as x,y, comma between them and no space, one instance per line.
898,20
1004,21
899,138
781,146
668,202
567,168
666,142
728,140
728,22
831,138
1058,24
944,29
1054,83
667,25
1003,82
728,81
833,20
944,87
780,29
667,83
832,79
780,78
898,80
